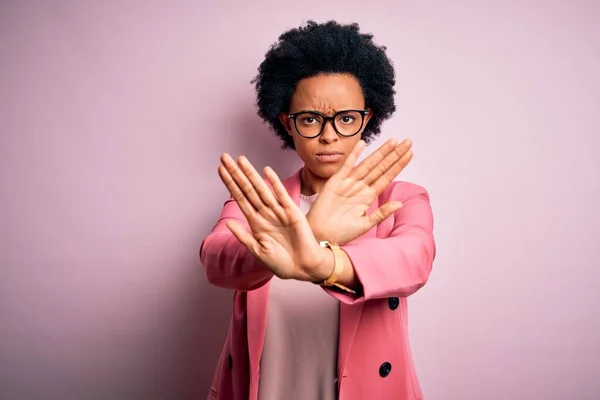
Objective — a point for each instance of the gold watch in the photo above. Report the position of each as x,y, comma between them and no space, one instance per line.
338,267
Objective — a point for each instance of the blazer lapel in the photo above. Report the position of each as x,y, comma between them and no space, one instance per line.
349,319
350,316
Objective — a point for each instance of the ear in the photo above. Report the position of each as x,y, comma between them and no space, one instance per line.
368,116
366,121
286,121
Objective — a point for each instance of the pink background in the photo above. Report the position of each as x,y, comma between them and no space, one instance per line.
112,118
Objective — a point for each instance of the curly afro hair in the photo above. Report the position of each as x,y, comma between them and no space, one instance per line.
315,49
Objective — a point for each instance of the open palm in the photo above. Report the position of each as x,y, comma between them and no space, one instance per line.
341,212
280,235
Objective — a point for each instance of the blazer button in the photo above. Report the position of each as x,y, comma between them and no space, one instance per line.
230,361
385,369
393,302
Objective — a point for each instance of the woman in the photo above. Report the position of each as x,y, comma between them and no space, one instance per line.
321,263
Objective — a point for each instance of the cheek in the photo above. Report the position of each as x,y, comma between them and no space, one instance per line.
303,147
351,142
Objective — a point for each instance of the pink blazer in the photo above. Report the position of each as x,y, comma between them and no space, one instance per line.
392,261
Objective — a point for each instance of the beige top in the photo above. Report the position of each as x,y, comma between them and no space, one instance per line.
299,359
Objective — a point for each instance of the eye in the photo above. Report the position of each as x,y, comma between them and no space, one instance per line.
309,120
347,119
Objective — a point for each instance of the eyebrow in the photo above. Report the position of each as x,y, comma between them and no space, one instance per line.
321,113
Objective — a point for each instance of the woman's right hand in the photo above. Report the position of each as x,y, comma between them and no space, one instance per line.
279,235
340,213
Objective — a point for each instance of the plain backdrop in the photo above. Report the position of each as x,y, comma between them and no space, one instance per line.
113,116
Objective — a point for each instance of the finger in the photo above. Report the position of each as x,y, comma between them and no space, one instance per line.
383,212
236,192
282,195
389,161
245,237
348,165
383,181
242,181
369,163
258,183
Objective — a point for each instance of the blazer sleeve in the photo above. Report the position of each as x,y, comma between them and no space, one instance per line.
399,264
227,262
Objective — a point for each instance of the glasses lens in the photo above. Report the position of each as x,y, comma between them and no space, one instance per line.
309,124
348,123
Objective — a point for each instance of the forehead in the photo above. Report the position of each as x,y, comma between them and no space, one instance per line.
327,93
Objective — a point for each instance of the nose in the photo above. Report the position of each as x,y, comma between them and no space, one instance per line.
329,134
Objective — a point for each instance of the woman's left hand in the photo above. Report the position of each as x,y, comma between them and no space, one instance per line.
280,235
340,213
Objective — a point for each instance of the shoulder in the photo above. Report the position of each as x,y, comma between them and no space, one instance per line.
403,191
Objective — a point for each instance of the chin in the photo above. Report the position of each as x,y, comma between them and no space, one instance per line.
325,171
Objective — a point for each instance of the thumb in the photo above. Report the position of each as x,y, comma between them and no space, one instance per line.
242,234
381,214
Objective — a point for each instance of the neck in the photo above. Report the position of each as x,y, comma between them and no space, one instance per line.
311,183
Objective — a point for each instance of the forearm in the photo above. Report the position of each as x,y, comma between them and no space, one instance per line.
394,266
230,265
227,262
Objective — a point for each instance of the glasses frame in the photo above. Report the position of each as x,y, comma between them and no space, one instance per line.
363,114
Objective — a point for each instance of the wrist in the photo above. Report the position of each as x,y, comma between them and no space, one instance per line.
316,230
341,275
325,267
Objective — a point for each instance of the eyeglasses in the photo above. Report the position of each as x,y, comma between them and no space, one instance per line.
311,124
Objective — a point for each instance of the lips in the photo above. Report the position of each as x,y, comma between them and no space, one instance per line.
329,156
